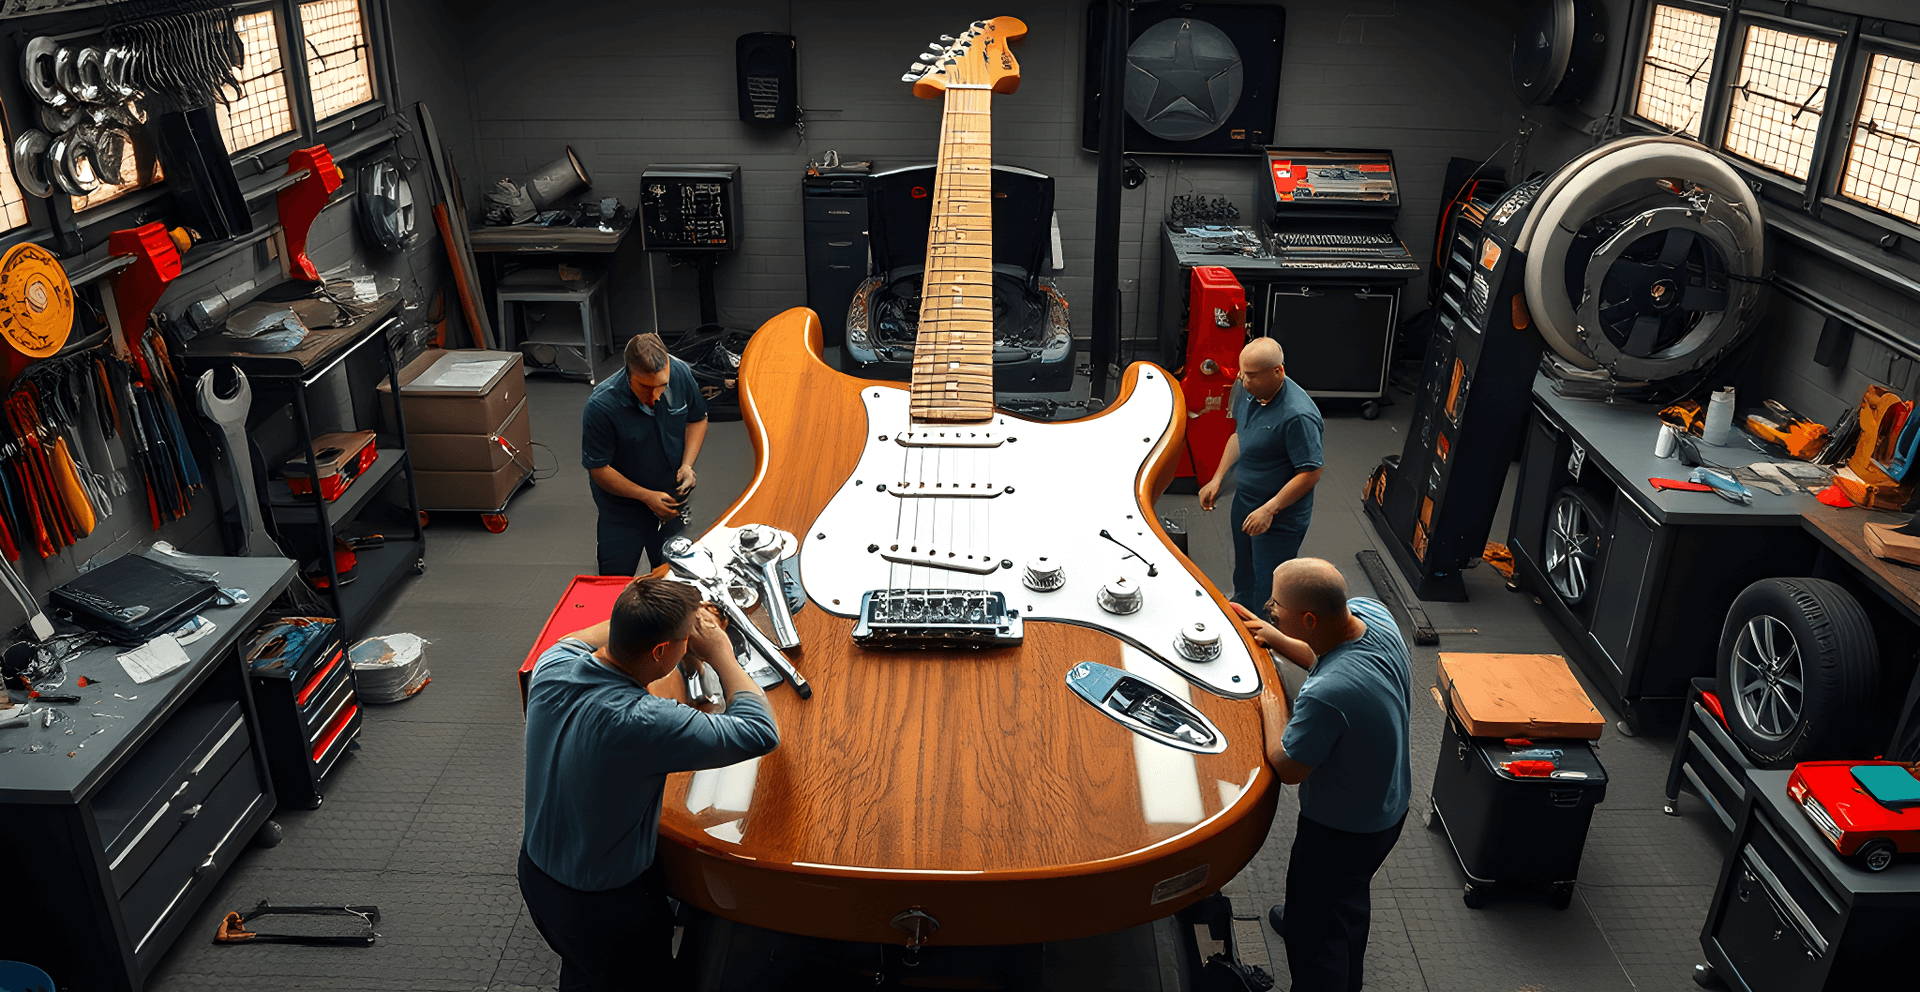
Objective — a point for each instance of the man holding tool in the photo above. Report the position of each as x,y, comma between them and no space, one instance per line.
1346,745
599,749
1276,443
640,435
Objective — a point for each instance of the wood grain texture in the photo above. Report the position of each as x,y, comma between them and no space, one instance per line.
972,784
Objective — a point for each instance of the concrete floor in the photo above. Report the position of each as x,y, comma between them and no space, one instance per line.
425,820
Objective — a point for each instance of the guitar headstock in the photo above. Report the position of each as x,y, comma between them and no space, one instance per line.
979,58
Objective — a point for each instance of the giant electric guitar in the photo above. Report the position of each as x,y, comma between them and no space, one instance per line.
1033,719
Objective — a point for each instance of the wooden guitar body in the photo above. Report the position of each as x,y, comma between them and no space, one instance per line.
970,785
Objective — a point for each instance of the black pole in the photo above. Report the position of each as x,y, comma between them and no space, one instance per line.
1106,217
709,300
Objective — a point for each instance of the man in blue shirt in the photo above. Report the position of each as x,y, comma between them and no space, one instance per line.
599,749
639,437
1276,444
1346,746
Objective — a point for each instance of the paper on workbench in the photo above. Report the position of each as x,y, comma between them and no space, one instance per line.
153,659
469,375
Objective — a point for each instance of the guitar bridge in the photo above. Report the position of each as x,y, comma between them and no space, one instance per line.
900,619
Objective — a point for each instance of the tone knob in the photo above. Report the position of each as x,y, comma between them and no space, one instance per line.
1043,575
1196,642
1120,596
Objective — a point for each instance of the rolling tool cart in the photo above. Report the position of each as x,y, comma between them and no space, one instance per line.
309,709
1517,779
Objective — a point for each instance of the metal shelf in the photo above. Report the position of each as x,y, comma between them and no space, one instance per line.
380,569
289,508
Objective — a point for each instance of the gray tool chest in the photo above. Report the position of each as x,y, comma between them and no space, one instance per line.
113,846
1790,916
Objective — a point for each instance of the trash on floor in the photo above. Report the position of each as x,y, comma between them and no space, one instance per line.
390,668
325,926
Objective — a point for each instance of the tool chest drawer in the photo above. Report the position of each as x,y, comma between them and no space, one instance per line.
141,808
316,700
836,213
1706,759
214,832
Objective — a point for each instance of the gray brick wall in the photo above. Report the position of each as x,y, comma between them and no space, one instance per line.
629,85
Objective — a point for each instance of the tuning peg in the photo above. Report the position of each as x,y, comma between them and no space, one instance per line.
977,25
910,78
930,56
946,37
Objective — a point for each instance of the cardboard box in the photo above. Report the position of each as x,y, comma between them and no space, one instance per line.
438,399
475,452
484,492
1517,695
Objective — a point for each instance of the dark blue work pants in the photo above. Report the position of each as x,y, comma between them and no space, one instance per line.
1255,558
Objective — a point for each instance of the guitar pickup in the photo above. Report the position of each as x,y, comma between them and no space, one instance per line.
950,437
1145,708
948,490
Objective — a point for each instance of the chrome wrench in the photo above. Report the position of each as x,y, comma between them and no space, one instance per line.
230,413
696,562
760,549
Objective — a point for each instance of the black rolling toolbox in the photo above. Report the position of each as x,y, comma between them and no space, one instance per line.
309,713
1515,828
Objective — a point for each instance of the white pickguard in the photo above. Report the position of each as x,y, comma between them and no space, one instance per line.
1059,485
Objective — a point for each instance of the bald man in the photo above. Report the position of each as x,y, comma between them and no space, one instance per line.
1345,744
1276,444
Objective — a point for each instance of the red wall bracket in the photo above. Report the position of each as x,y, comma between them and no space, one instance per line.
137,288
302,202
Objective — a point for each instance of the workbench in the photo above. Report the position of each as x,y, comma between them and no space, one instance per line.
1673,561
121,817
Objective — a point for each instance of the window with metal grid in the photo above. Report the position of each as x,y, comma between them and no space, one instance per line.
1883,159
1774,114
1676,67
266,111
13,203
339,66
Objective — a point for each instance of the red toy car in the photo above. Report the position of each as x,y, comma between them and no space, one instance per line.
1861,827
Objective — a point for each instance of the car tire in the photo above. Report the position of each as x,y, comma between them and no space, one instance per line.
1799,664
1574,539
1875,855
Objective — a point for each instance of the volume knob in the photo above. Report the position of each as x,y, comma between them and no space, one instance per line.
1196,643
1043,575
1120,596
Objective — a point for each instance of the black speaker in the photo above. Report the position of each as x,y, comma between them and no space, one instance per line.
766,63
1202,78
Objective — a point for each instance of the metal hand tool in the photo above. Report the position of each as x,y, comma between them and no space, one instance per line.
760,548
231,414
697,563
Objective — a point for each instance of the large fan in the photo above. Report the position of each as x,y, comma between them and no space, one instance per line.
1644,259
1557,51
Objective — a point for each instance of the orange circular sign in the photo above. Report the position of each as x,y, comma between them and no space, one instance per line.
36,301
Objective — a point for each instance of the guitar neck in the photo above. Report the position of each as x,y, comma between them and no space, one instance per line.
953,351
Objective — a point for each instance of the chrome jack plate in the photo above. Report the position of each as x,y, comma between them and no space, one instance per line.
1145,708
